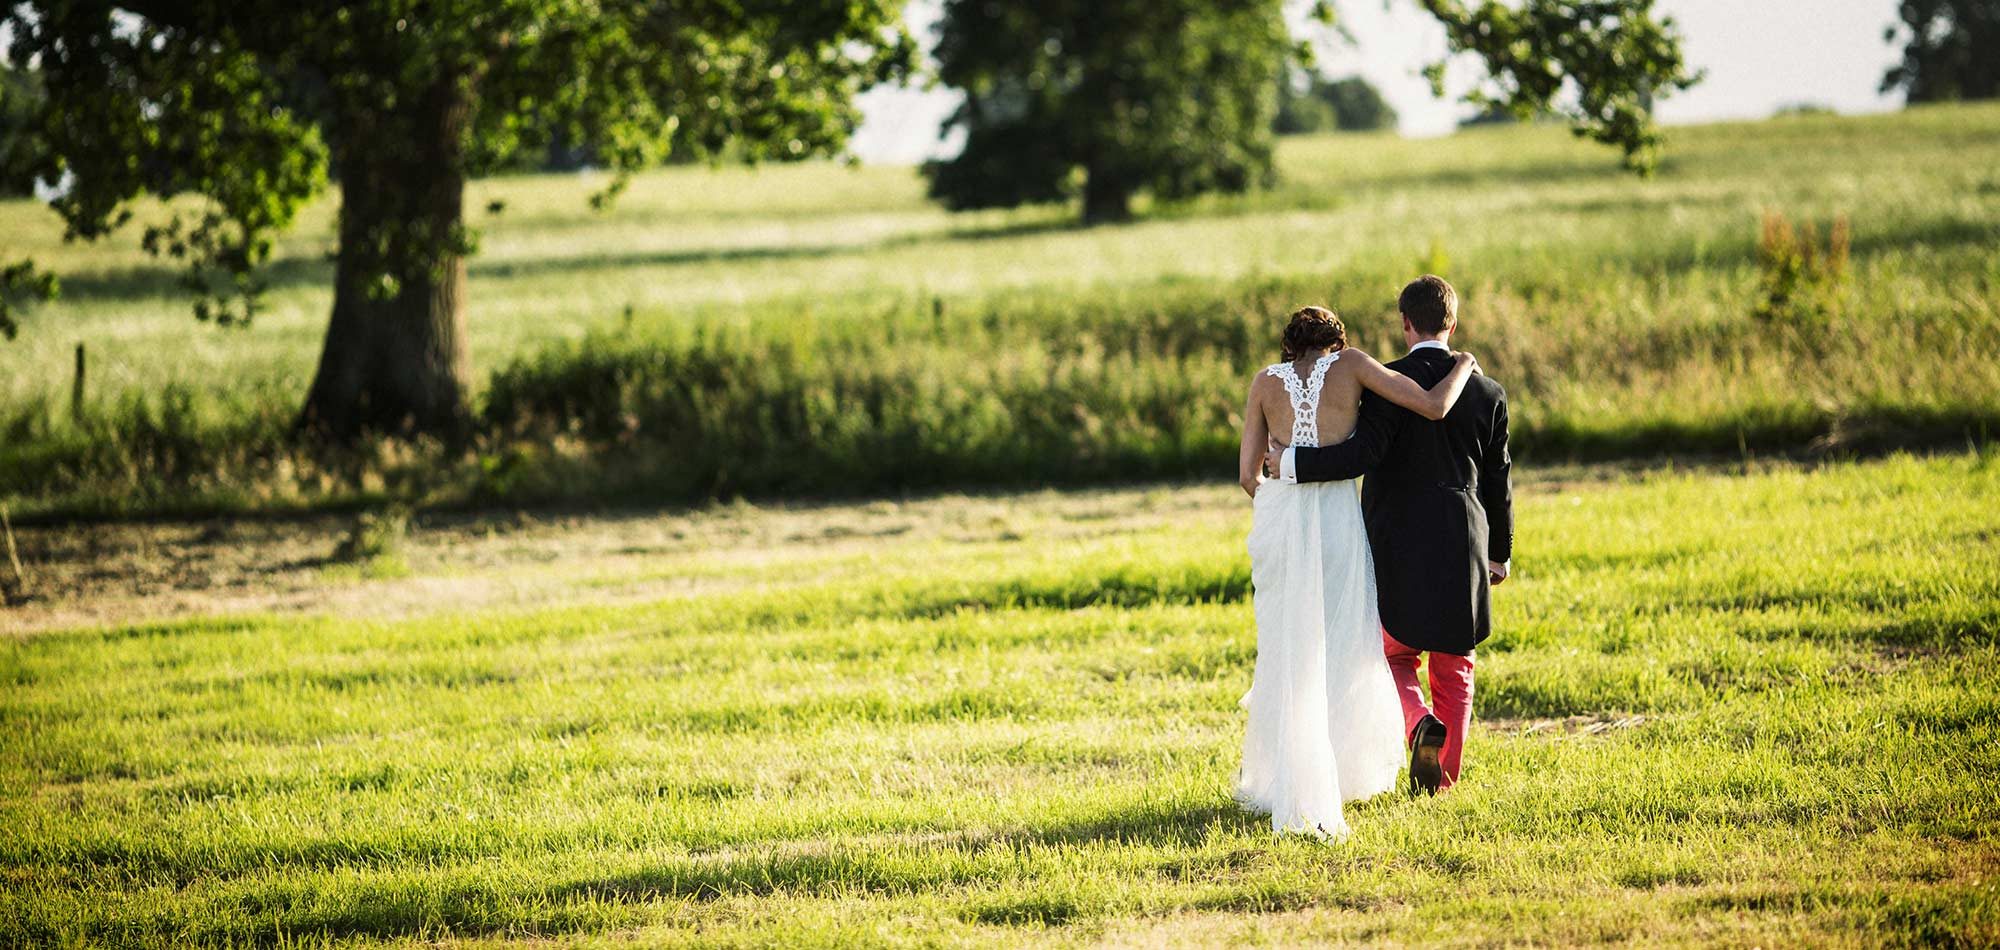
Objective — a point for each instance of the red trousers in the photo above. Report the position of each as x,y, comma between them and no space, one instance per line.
1451,697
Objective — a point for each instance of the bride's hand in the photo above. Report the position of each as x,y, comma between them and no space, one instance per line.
1464,357
1250,485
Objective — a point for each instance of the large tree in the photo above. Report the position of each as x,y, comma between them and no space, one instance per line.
1951,50
1109,96
1112,97
250,104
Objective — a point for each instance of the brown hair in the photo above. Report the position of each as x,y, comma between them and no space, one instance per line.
1312,328
1429,304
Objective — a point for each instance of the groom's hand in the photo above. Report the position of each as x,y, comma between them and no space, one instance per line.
1274,459
1496,572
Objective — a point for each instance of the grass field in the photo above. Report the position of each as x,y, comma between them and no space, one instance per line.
664,351
1743,691
1741,708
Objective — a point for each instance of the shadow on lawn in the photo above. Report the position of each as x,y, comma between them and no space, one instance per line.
156,282
892,865
899,866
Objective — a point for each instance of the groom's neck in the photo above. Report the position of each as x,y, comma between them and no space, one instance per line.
1411,338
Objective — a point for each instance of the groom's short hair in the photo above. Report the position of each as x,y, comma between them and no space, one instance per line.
1429,304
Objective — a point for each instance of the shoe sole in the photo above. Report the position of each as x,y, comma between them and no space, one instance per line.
1426,772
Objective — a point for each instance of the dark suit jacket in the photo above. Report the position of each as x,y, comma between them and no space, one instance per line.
1438,503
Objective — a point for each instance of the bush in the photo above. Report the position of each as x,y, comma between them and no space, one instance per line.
1802,282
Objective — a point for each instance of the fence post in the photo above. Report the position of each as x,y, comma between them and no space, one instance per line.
76,388
13,556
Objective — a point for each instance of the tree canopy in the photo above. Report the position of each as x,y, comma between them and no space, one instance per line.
1177,97
20,146
1951,50
254,105
1598,64
1108,97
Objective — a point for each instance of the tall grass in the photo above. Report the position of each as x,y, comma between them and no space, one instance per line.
810,329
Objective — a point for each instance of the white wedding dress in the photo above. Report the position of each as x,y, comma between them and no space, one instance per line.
1325,723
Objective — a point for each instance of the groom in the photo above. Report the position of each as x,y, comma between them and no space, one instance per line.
1440,521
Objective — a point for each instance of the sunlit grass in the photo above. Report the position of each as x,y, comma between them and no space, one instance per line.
997,720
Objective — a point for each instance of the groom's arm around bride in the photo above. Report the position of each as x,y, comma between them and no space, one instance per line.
1467,449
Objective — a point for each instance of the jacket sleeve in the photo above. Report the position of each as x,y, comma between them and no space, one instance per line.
1496,489
1374,431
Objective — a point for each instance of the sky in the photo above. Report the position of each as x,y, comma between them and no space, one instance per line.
1759,55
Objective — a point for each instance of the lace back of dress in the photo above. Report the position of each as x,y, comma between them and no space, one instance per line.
1304,397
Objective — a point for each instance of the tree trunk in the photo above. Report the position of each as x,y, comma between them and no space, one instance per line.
395,355
1107,197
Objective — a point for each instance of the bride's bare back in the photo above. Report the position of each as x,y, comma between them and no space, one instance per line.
1339,400
1269,415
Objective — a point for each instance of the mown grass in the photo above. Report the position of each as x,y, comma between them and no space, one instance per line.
827,327
1027,733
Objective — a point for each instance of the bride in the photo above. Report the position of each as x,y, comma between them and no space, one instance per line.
1325,724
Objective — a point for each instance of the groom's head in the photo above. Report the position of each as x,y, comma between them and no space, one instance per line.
1430,309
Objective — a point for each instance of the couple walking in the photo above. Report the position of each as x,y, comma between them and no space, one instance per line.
1353,587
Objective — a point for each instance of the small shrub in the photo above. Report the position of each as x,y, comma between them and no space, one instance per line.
1803,282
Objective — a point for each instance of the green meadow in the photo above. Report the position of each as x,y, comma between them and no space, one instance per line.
827,569
1751,707
824,330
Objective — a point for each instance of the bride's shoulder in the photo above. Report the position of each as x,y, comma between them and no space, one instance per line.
1268,379
1354,357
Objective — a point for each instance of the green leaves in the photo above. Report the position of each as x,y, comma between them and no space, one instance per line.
252,105
1948,50
20,286
1176,98
141,108
1109,98
1597,63
21,143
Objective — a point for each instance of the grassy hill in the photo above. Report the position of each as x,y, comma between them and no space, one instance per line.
827,325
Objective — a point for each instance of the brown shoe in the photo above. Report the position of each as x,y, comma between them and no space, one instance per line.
1426,743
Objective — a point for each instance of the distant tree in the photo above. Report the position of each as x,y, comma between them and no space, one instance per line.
20,143
248,103
1112,97
1490,115
1322,105
1951,50
1500,114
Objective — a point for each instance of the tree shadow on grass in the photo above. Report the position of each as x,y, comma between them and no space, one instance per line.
876,865
132,284
686,257
162,281
1484,176
901,865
